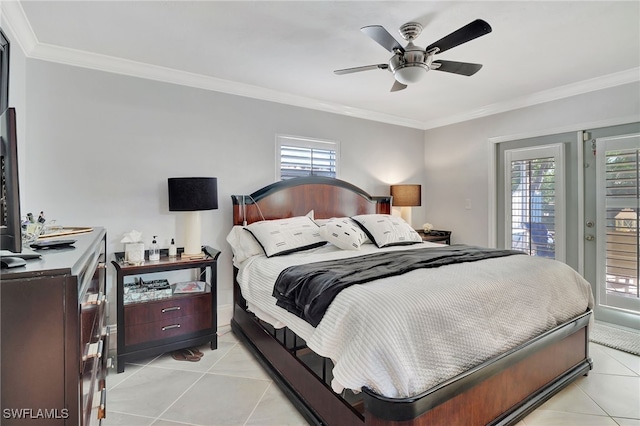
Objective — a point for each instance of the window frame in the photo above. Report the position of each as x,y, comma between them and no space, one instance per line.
307,143
532,153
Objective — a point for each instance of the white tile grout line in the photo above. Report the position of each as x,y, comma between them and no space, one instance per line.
602,374
142,367
194,383
218,333
258,403
602,350
179,396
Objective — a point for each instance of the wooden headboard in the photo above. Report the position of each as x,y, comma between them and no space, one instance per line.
327,197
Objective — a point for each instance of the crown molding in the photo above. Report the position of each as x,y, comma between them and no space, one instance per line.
573,89
14,17
33,49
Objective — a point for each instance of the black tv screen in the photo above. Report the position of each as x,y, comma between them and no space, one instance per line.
10,228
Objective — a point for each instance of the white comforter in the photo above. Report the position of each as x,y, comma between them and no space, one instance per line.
402,335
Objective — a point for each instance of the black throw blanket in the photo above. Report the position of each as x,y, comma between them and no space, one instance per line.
308,290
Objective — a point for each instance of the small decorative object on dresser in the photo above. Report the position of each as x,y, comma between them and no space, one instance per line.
169,322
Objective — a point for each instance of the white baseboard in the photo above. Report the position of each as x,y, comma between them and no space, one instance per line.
225,313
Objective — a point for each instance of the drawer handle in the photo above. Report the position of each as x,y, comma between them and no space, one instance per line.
169,327
94,351
96,299
102,412
173,308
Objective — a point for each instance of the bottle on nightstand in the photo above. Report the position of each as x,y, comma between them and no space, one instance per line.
173,250
154,250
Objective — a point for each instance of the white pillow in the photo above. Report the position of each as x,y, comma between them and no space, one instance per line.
243,245
343,233
284,236
386,230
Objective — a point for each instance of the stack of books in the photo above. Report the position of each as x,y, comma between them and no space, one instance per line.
190,287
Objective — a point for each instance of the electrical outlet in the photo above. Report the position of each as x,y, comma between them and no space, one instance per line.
467,203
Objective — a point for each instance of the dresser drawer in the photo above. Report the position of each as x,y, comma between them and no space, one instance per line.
93,374
171,327
165,309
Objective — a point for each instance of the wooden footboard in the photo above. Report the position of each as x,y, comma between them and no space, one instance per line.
499,392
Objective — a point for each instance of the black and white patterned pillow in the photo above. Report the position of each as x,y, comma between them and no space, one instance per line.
386,230
343,233
284,236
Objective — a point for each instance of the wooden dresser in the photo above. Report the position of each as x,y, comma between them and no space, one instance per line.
54,336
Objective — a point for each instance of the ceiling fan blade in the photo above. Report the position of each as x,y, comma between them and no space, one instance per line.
398,86
382,37
463,68
467,33
364,68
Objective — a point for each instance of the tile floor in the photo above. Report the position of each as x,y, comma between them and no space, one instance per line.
228,387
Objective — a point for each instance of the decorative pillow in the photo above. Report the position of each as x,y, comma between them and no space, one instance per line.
386,230
243,244
284,236
343,233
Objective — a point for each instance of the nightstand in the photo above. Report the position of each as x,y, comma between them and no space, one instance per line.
170,322
435,236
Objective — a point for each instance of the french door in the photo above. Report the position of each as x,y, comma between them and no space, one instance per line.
590,215
536,193
612,204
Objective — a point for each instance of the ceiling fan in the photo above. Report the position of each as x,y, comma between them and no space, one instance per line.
408,64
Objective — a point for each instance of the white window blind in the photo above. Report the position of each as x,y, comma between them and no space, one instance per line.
534,201
298,157
622,203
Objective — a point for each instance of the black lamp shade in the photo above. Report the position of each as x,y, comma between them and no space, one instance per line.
193,194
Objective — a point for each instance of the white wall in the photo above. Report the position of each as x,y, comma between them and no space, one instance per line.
456,175
100,147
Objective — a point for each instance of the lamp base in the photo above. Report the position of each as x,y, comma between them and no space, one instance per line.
403,212
192,242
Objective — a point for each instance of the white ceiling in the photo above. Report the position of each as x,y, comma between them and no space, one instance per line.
287,51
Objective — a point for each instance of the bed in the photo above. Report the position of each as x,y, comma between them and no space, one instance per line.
501,387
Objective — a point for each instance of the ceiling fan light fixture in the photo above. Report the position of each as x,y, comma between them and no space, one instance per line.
408,64
410,73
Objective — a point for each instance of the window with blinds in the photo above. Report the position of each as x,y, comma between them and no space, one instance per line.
622,203
532,206
534,202
298,157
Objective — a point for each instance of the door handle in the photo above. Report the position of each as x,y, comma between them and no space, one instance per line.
589,237
590,224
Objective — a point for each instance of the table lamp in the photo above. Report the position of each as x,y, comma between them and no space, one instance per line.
406,196
191,195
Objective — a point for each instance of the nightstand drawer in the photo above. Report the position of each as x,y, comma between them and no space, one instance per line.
166,309
161,330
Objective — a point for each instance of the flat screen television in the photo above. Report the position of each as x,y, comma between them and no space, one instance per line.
10,227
